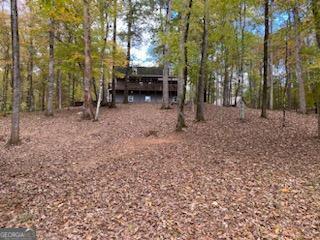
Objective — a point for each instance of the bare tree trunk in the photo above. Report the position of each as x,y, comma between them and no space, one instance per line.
73,89
185,21
316,13
30,102
114,48
271,59
129,33
242,60
5,89
87,104
265,61
289,98
237,88
203,66
69,89
15,121
102,69
59,83
302,95
226,84
181,69
43,97
230,86
51,70
285,94
165,79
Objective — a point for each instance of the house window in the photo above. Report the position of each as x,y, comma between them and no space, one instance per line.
134,71
130,98
147,98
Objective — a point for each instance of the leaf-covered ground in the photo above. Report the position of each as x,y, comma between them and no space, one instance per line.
130,176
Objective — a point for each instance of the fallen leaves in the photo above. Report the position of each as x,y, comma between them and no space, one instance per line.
129,176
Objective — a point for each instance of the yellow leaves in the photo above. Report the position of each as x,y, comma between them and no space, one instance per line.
277,229
148,202
285,190
315,65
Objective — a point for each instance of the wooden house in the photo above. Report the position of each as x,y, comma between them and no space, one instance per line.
145,85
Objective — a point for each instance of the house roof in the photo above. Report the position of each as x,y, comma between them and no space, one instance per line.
142,71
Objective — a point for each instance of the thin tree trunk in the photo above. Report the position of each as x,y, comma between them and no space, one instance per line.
302,95
230,85
285,94
43,97
289,98
165,79
184,59
51,70
181,69
226,80
15,121
5,88
114,48
237,88
129,33
260,90
242,61
30,102
73,89
265,61
271,59
70,89
102,69
251,85
203,66
87,104
59,83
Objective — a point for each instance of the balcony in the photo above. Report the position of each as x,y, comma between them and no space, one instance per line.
145,86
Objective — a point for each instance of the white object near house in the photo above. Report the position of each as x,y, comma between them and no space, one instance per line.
147,98
130,98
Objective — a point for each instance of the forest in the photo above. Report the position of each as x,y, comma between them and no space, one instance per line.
231,151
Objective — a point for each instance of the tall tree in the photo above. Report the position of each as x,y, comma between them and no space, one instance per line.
15,120
51,68
30,102
5,78
87,104
286,93
226,84
185,23
114,45
203,66
59,88
265,60
165,80
129,35
271,56
243,11
297,38
102,67
316,14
